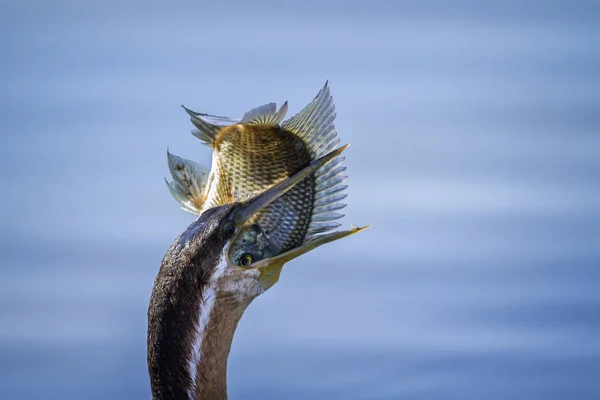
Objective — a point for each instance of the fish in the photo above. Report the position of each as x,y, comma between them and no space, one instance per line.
254,153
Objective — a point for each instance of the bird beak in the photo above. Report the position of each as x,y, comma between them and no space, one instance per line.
270,268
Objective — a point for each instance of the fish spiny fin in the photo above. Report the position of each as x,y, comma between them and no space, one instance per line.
188,184
208,125
265,115
314,124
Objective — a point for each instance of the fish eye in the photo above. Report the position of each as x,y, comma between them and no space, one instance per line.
228,229
256,228
246,260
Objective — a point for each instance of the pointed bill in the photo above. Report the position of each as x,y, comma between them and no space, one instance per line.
270,268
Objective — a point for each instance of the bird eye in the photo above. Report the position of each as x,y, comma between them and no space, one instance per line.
228,229
246,260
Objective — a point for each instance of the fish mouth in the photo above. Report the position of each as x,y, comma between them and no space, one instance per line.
270,268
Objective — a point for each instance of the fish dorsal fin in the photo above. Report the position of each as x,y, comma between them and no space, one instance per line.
314,125
188,184
265,115
208,125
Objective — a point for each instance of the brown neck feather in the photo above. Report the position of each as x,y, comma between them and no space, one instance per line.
211,373
172,316
189,339
191,323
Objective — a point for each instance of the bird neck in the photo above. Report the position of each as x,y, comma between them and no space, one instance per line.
219,317
189,338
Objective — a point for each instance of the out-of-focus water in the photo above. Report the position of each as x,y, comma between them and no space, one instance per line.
475,131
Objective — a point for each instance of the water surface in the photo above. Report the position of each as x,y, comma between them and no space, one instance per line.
475,132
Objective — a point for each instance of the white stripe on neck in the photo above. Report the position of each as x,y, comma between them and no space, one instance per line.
206,306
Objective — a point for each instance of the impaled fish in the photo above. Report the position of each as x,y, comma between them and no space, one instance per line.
254,153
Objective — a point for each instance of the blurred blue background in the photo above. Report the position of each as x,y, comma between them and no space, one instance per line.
475,131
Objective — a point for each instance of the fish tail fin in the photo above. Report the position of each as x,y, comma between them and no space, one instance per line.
188,184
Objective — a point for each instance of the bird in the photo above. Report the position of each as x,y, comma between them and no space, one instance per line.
199,295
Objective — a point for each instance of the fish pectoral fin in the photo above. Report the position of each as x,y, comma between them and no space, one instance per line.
189,183
265,115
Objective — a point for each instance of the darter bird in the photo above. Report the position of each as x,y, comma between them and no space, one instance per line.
200,295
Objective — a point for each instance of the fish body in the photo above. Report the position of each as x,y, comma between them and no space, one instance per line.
251,155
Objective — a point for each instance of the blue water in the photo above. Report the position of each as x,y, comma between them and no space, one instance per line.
475,131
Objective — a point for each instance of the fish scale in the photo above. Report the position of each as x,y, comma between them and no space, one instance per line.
253,154
268,154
